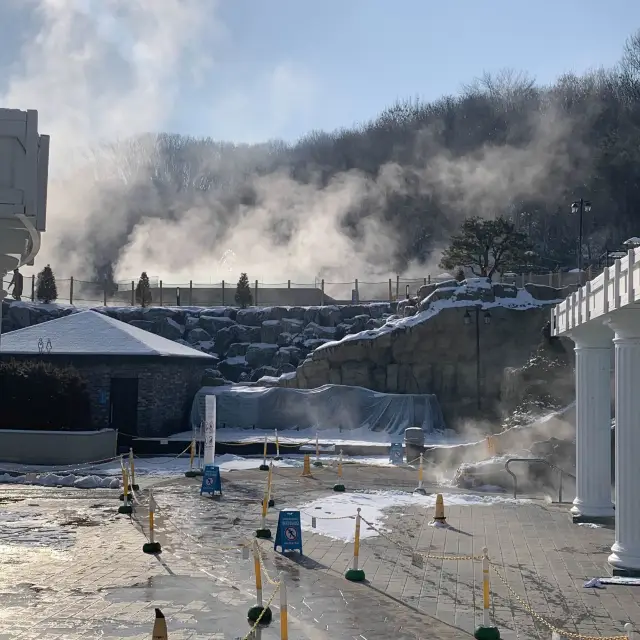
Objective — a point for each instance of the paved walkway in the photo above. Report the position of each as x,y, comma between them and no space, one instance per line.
71,568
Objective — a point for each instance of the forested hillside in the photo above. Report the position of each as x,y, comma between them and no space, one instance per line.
504,145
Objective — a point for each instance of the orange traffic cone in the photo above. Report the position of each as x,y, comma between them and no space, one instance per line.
159,627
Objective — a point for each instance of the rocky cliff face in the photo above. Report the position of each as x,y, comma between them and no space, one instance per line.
435,350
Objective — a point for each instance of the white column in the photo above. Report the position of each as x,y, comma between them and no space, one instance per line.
625,552
593,346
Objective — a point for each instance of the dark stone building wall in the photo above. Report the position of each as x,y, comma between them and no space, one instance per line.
166,387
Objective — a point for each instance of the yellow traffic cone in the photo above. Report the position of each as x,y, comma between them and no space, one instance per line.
159,627
306,469
439,514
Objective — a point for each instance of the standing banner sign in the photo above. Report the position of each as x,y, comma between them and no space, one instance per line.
396,455
209,430
211,480
289,534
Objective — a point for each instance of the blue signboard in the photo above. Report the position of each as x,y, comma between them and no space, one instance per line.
211,480
289,534
396,455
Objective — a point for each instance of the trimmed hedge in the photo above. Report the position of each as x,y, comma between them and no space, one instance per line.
39,395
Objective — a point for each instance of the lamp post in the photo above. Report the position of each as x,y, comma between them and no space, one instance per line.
580,206
486,318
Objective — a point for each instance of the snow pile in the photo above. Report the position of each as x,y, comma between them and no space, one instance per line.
66,480
340,510
522,301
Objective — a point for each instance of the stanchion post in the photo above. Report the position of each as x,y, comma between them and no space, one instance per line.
420,489
339,486
192,473
126,507
132,468
486,631
629,630
263,532
317,462
355,574
257,611
284,614
152,546
264,466
277,447
272,502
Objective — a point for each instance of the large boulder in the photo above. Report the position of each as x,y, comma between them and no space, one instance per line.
263,371
292,326
270,331
313,330
260,354
238,349
213,324
329,316
251,317
233,368
198,335
170,329
236,333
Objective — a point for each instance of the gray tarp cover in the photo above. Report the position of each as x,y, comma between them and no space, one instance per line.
327,407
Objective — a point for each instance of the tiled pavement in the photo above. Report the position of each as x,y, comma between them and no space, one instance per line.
544,558
90,579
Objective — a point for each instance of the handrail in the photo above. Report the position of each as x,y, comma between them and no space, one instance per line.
561,473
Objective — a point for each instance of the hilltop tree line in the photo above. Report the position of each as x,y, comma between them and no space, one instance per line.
579,137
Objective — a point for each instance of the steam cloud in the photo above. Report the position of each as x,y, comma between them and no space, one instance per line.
104,74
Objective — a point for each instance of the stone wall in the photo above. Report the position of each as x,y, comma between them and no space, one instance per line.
166,387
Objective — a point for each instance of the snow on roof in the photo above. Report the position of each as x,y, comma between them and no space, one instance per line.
523,300
92,333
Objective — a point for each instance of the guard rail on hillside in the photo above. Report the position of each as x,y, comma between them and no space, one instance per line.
561,473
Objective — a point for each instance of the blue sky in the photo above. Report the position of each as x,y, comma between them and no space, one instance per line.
280,68
342,61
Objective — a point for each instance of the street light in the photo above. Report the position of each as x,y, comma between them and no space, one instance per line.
486,319
580,206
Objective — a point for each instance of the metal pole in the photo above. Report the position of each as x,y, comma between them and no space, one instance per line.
478,356
580,242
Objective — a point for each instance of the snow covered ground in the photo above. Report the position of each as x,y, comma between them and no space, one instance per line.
103,474
354,437
335,514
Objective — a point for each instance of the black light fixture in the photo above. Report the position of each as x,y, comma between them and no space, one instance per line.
487,317
575,206
467,317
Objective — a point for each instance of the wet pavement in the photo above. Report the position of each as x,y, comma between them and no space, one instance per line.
73,568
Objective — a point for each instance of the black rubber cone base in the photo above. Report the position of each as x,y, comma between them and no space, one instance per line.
254,613
263,467
151,547
263,533
486,633
317,463
339,487
271,503
129,497
134,487
354,575
126,509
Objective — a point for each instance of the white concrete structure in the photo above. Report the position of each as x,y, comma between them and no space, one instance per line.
606,311
24,166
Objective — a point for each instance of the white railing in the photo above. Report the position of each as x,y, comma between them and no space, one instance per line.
617,286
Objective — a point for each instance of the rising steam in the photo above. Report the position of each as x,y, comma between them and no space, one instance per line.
105,74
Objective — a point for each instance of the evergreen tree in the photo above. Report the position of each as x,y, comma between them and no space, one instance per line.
143,290
487,246
244,298
46,290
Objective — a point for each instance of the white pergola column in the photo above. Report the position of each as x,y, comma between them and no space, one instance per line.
593,347
625,552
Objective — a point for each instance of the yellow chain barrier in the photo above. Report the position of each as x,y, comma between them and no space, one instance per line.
545,622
